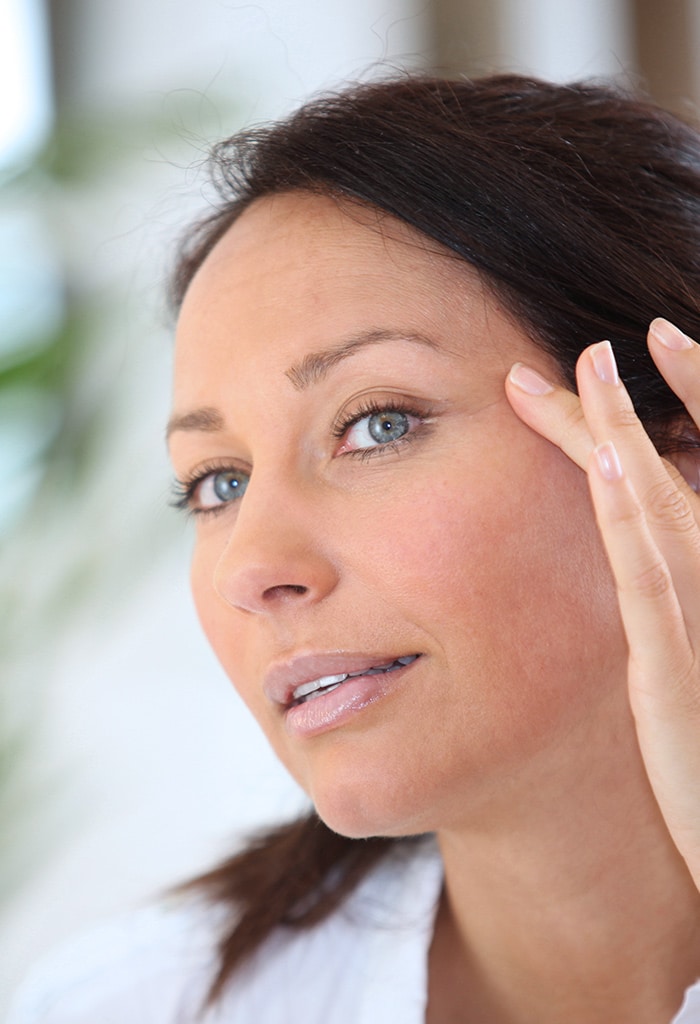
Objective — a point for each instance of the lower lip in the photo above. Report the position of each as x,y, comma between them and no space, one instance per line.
341,705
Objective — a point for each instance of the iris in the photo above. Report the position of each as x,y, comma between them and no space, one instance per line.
388,426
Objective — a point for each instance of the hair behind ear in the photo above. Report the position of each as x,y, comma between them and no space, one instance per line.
291,876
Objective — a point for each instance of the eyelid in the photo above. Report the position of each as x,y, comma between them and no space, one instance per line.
184,489
373,404
368,403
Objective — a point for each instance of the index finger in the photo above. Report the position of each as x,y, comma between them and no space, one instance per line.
677,358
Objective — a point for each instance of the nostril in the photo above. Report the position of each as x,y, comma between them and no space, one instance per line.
285,589
264,581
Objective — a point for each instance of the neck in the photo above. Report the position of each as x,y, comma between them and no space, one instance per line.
575,908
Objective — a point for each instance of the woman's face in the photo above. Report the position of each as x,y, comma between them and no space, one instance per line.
366,499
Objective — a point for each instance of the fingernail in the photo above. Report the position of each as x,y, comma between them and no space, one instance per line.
669,335
608,461
529,380
604,363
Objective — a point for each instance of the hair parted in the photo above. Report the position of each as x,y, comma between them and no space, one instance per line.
578,204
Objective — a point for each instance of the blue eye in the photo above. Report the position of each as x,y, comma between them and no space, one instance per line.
375,429
219,488
387,426
210,490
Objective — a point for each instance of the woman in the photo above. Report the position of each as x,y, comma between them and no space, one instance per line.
435,415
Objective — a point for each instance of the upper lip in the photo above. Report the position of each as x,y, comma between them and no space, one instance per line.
282,678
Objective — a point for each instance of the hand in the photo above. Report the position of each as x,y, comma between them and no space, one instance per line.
648,513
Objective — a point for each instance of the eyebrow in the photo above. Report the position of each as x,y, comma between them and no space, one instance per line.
315,366
308,371
207,419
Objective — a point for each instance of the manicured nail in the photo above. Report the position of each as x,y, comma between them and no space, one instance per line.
529,380
604,363
608,461
669,335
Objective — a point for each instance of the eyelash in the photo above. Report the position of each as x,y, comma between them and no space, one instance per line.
183,491
372,407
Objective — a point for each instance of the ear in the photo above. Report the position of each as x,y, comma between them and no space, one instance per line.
680,446
688,465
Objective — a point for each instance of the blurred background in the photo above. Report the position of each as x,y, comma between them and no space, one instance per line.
126,761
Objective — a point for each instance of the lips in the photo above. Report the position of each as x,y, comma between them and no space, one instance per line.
310,676
317,687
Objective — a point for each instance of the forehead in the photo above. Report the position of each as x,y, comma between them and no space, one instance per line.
300,273
308,245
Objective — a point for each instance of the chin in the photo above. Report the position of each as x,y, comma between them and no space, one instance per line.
364,825
362,808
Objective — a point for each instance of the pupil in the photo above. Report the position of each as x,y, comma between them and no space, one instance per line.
229,485
388,426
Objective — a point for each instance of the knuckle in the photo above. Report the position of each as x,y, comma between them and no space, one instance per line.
631,519
653,581
625,418
667,506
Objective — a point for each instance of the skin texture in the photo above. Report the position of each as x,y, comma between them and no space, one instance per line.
474,543
432,548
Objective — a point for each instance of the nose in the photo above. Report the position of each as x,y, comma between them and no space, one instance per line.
274,558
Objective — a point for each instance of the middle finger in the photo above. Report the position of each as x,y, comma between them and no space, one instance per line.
610,416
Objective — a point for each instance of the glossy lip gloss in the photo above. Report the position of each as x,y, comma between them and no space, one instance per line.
339,703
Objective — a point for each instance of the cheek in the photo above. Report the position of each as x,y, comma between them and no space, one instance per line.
508,582
504,567
461,536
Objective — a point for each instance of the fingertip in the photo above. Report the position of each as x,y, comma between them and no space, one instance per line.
668,335
529,381
604,363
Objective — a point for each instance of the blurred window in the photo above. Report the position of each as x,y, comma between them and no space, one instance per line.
25,112
30,280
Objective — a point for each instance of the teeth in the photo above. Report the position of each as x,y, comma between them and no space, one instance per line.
377,670
328,683
316,684
320,693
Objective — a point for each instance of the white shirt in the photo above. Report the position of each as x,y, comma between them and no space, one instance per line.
366,964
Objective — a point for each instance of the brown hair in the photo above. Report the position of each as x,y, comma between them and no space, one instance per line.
580,207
